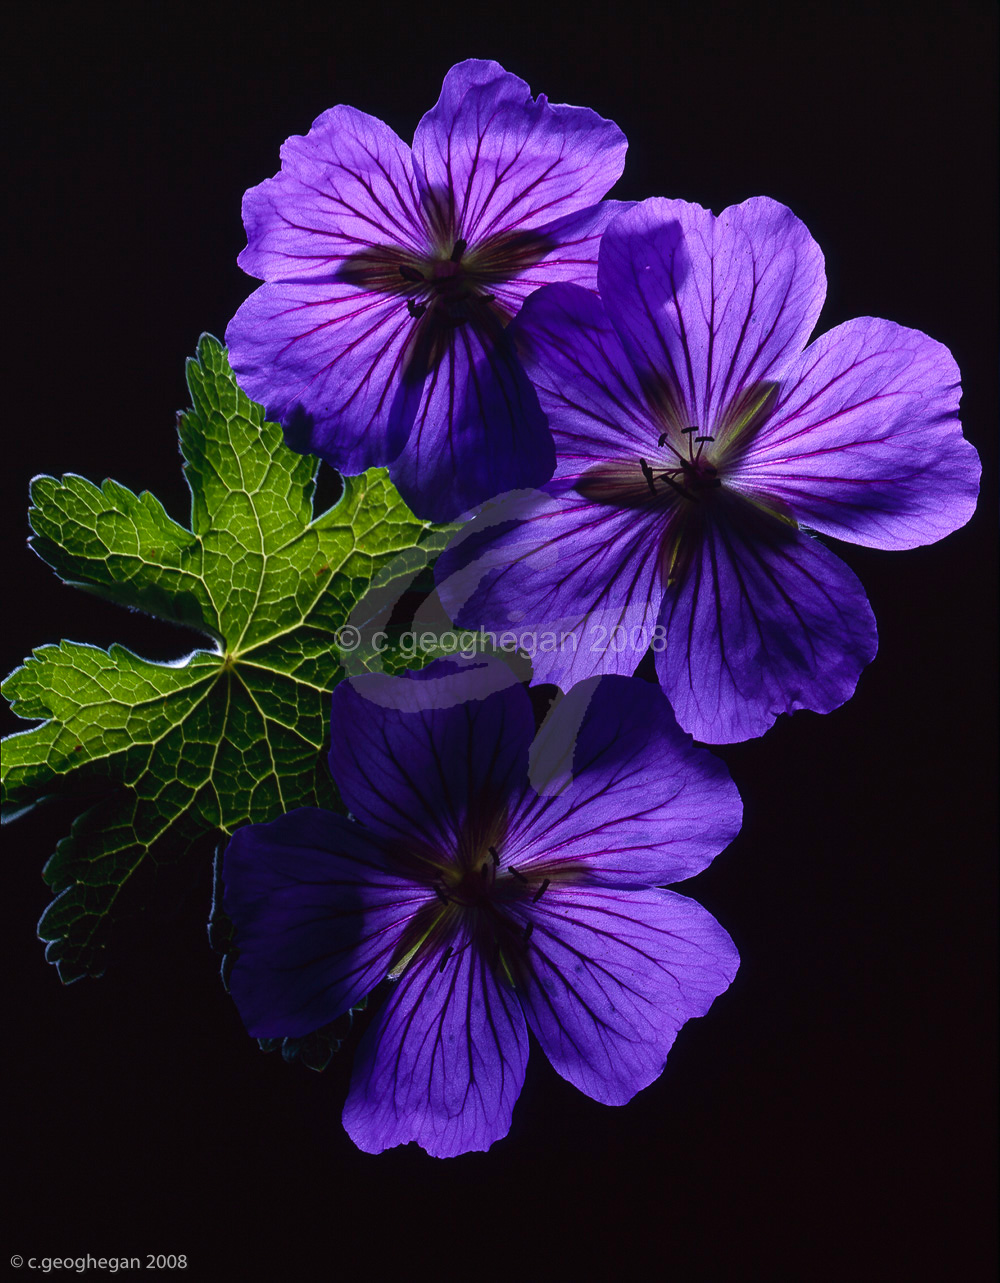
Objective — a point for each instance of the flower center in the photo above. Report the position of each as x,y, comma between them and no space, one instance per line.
448,287
689,472
484,892
451,286
480,883
470,886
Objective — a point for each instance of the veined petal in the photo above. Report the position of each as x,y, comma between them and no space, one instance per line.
706,306
318,911
324,360
764,621
443,1061
345,186
865,443
578,582
575,241
489,158
619,792
609,977
475,426
429,760
586,384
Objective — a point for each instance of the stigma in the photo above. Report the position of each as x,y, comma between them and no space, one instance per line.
689,473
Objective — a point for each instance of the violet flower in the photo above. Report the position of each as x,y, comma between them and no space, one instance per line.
697,445
391,275
504,882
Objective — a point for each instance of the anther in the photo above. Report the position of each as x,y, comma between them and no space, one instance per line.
493,853
647,472
520,876
440,894
693,427
541,890
704,438
663,439
458,251
410,274
444,958
416,310
528,930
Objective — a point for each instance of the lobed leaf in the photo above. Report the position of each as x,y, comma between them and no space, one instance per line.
233,734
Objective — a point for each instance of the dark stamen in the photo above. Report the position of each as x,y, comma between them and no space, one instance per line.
458,251
663,438
410,274
444,960
680,489
647,472
416,310
493,853
692,428
440,894
520,876
704,438
541,890
528,930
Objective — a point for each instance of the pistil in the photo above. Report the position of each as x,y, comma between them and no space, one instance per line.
691,473
472,888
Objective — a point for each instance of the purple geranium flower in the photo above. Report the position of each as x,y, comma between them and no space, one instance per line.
392,274
504,881
696,442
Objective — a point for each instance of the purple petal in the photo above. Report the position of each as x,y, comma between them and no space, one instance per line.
575,241
324,360
864,442
318,913
475,426
586,384
620,791
578,582
429,760
764,621
346,186
705,305
443,1062
609,977
489,159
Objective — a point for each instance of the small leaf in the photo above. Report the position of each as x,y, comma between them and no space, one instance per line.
315,1050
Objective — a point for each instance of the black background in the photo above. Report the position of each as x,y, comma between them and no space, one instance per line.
832,1118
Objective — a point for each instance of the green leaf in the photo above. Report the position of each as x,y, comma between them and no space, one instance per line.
230,735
